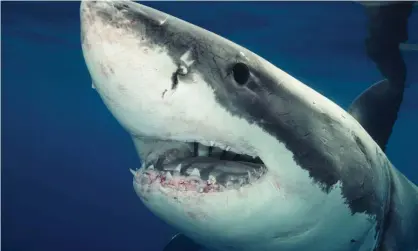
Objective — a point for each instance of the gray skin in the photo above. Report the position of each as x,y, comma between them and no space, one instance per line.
323,146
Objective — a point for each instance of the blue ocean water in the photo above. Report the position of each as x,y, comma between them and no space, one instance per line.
65,164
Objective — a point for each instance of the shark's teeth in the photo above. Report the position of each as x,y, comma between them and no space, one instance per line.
223,147
178,168
249,176
195,172
203,150
211,180
168,176
133,172
151,167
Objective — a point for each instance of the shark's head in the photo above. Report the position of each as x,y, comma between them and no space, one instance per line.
236,152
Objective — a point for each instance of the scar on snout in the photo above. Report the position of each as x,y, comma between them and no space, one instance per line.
106,70
84,40
122,88
192,215
196,215
103,70
87,45
164,92
174,80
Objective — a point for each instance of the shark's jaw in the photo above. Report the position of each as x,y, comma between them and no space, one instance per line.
200,189
271,210
199,168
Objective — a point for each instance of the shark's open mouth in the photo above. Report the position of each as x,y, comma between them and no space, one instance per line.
207,169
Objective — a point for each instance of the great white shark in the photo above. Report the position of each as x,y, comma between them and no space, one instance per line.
237,154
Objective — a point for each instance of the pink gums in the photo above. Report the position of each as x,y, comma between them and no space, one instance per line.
180,183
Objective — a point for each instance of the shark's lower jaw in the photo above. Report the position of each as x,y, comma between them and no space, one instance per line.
211,170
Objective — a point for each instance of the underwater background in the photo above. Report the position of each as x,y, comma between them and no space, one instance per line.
65,181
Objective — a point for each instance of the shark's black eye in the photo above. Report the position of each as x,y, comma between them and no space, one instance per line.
241,73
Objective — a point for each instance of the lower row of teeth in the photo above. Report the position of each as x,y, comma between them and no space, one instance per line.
194,179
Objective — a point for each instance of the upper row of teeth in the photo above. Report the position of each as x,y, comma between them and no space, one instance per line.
203,150
195,172
223,147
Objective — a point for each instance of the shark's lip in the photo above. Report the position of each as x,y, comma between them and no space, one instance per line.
224,146
162,157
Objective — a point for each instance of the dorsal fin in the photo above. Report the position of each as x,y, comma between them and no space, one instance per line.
376,109
180,242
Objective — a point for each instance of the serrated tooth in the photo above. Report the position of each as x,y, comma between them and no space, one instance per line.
195,172
202,150
241,181
168,176
178,168
212,143
227,148
143,165
250,177
133,172
151,167
211,179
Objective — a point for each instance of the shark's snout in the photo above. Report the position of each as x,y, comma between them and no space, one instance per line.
121,12
116,21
